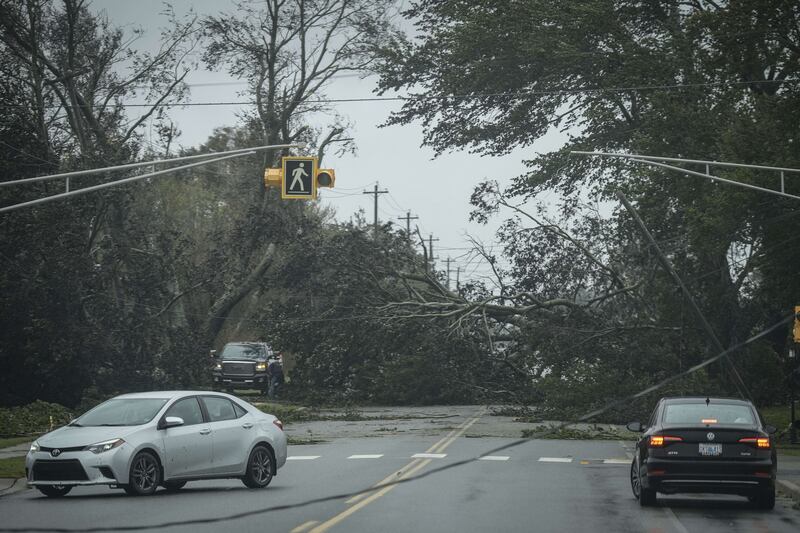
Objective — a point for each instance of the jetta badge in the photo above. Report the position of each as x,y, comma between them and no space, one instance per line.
55,453
710,436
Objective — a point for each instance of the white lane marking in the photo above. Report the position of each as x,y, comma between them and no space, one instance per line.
616,461
555,459
674,519
429,456
493,458
366,456
302,457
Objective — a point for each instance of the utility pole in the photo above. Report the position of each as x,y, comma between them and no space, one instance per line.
448,261
430,248
376,192
458,278
408,218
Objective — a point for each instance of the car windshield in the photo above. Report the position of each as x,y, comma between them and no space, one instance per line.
122,412
244,351
713,413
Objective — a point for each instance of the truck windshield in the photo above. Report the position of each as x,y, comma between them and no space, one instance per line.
244,351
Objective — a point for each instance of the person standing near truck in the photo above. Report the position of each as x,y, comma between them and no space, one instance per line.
275,373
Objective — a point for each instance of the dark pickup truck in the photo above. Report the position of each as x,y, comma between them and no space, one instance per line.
243,365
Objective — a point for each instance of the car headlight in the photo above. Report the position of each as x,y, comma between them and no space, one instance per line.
104,446
261,367
218,366
34,447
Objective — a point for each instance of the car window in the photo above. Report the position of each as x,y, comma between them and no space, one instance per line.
188,409
240,411
219,408
713,413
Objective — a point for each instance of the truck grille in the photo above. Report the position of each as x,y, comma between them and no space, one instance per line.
65,470
238,369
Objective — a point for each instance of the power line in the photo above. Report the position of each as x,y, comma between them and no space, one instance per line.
472,96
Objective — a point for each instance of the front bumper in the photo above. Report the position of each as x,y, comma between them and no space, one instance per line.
78,467
259,379
718,476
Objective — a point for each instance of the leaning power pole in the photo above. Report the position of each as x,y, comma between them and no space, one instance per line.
448,261
376,192
430,248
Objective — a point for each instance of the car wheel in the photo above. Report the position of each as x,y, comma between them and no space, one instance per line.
259,468
646,497
54,491
145,475
174,486
765,499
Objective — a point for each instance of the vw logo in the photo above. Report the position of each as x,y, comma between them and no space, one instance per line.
55,453
710,436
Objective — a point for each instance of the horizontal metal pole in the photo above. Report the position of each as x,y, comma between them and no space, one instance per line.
118,182
715,178
147,164
678,160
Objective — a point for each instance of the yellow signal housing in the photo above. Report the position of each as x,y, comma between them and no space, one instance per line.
273,177
325,177
797,324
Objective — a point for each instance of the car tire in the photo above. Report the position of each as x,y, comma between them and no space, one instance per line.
765,499
145,475
54,491
258,473
174,486
645,496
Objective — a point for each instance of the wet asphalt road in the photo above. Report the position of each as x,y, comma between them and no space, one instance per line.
543,485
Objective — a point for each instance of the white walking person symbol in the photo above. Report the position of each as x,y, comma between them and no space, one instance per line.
297,176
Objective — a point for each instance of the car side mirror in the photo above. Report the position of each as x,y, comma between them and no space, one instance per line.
770,429
170,422
635,426
212,354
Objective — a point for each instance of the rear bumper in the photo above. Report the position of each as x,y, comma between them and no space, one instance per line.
722,477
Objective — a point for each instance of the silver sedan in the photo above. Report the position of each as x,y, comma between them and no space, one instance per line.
145,440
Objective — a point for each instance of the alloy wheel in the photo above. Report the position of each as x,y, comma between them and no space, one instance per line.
261,466
144,473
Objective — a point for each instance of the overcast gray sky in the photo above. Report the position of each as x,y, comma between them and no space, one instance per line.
437,190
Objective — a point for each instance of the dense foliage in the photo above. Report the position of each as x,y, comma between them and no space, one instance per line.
701,80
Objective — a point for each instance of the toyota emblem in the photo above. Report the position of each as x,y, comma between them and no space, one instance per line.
55,453
710,436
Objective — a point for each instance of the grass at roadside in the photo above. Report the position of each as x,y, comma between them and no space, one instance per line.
13,441
12,467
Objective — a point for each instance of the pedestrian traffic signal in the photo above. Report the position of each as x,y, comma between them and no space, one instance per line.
299,181
326,177
299,178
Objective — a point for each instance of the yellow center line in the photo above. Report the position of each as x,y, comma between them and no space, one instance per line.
406,472
305,526
395,475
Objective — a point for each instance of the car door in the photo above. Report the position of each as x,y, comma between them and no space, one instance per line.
231,434
188,448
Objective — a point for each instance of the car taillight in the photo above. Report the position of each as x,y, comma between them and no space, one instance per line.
278,423
758,442
657,441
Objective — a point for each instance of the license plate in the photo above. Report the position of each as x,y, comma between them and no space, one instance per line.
710,449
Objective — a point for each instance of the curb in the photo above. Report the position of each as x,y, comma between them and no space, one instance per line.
17,485
789,488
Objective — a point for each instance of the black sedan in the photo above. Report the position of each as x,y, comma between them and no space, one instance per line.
704,445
